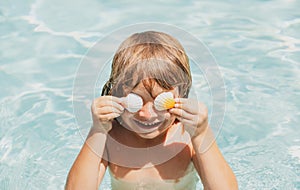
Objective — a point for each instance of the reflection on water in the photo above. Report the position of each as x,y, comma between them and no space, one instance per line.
256,44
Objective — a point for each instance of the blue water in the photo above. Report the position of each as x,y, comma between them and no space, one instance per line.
256,44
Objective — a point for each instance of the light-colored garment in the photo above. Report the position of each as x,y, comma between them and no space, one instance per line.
187,182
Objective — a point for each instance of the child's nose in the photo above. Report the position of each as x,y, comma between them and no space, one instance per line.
147,111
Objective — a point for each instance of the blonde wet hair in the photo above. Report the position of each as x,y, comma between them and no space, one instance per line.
152,58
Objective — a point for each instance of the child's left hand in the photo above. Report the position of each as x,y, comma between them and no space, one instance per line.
192,114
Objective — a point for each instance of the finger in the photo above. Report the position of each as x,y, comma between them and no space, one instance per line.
108,109
181,100
181,113
117,105
102,107
112,98
186,104
186,122
189,105
108,117
109,101
188,118
190,126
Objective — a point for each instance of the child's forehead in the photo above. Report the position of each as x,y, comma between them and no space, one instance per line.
150,88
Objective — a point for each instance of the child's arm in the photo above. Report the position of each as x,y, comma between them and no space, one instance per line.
214,171
89,167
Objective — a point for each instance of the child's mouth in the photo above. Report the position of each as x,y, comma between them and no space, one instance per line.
148,125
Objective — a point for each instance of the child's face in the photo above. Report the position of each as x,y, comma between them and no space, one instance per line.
148,122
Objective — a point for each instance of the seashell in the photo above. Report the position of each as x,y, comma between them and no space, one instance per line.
164,101
133,102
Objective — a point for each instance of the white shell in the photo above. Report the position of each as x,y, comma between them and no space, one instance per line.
164,101
133,102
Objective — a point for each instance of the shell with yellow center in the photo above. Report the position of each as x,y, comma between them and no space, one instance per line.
164,101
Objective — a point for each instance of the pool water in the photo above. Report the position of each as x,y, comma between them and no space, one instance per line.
255,43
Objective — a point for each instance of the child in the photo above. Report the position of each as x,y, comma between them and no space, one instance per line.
144,144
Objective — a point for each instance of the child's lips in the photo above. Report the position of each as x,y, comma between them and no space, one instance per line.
148,125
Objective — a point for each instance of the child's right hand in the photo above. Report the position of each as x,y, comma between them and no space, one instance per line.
104,109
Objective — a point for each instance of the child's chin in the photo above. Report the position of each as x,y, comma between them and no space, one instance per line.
151,135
